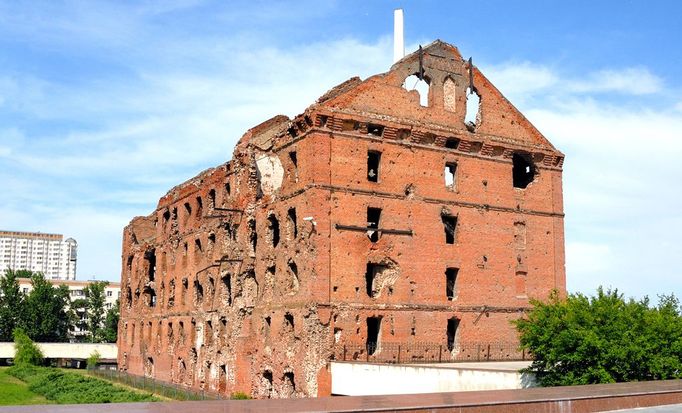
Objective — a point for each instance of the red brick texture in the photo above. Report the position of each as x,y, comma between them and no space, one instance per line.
246,276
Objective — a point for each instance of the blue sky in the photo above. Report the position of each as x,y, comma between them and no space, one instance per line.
104,106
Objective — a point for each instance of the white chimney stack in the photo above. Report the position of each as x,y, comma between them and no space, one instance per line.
398,35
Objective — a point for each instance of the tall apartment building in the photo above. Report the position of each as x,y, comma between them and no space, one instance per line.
50,254
377,216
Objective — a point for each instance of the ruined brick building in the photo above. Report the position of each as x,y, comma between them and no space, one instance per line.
370,218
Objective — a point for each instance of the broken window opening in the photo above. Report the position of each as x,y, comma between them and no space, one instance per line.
253,236
129,297
289,320
293,229
150,256
267,378
373,270
322,120
150,296
373,218
166,216
453,327
523,170
451,283
181,332
198,292
452,143
473,107
267,322
376,130
211,239
450,225
228,189
413,82
450,175
129,263
373,334
188,209
200,206
209,332
197,246
227,287
289,383
294,271
273,224
373,160
294,160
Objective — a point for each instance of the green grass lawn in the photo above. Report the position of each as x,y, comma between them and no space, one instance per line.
14,391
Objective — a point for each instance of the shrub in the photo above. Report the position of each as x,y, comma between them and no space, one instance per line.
602,339
93,359
26,351
72,388
239,396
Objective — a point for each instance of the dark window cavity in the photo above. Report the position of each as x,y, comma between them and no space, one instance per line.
373,217
293,228
373,334
452,143
376,130
453,325
523,170
150,257
451,283
373,159
450,225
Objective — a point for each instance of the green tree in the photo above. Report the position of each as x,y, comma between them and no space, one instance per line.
602,339
11,305
94,294
110,333
25,350
46,311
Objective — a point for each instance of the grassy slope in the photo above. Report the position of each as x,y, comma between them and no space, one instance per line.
14,391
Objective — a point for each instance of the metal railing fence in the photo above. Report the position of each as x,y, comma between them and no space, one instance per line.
425,352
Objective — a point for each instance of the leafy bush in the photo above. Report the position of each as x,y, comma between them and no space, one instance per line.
602,339
239,396
93,359
26,351
72,388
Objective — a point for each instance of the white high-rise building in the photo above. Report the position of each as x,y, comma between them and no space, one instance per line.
50,254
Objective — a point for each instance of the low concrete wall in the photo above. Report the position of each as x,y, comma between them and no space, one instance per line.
66,350
365,379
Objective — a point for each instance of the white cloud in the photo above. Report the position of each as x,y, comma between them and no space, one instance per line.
634,81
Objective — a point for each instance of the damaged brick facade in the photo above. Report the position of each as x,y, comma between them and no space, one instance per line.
369,218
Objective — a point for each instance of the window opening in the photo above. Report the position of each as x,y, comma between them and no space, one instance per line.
294,159
413,82
188,209
451,283
294,271
452,143
453,326
373,217
227,287
473,107
349,125
450,174
293,229
523,170
373,159
228,189
198,292
200,206
450,225
376,130
150,256
171,293
373,270
373,330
